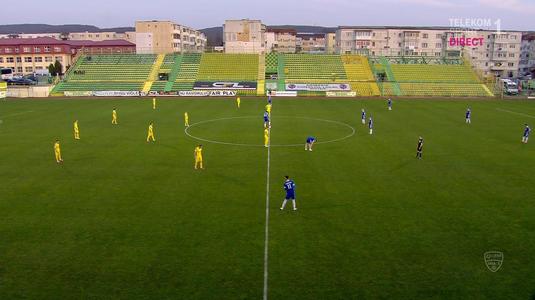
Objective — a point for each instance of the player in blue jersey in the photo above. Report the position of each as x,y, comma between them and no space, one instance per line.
389,103
267,124
525,136
289,187
363,117
310,142
468,116
370,125
269,96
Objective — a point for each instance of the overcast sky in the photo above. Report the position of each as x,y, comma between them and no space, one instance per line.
514,14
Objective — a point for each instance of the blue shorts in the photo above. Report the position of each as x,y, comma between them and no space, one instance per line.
290,196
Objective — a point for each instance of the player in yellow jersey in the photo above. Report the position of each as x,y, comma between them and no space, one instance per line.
76,130
268,109
266,137
198,157
114,116
57,152
153,103
186,119
150,134
238,102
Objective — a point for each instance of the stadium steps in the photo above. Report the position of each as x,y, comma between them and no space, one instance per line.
359,75
261,79
486,88
272,63
388,70
281,70
153,73
174,73
189,69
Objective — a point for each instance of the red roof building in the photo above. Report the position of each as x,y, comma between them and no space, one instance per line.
26,56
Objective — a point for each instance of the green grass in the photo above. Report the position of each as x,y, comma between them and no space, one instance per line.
125,219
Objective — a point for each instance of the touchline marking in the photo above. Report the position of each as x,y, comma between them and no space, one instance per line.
186,131
266,240
516,113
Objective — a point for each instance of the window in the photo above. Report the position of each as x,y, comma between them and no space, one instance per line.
511,55
438,45
39,59
19,69
424,45
48,59
47,49
8,50
36,49
28,59
19,59
28,69
439,36
57,49
512,46
59,58
438,54
425,35
1,60
26,49
39,68
10,60
511,64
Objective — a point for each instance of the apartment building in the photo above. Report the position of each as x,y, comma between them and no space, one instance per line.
163,37
244,36
491,53
330,43
102,36
311,43
281,40
527,55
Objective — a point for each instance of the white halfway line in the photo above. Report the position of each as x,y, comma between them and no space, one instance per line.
266,239
516,113
17,114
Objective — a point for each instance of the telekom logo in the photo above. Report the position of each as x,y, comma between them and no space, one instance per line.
469,42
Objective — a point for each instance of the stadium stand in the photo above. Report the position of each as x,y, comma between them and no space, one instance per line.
366,76
430,80
123,72
228,67
312,68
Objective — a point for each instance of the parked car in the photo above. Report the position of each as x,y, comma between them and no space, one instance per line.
20,81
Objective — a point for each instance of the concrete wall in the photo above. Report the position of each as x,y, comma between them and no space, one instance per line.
28,91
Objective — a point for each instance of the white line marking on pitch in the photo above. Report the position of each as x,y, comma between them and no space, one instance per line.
266,240
186,131
17,114
515,113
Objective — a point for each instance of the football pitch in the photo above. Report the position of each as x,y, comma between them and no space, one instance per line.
123,218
